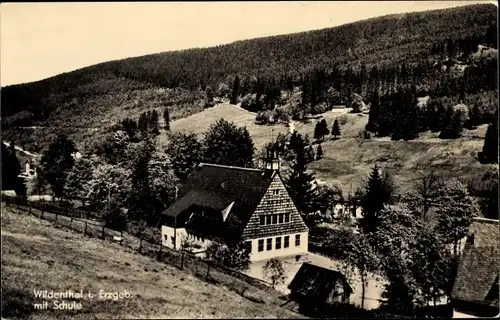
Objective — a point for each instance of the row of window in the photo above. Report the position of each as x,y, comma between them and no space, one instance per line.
274,219
277,243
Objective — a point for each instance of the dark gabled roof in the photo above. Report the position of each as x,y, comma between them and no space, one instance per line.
216,187
317,282
479,264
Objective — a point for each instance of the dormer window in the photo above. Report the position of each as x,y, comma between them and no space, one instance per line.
276,192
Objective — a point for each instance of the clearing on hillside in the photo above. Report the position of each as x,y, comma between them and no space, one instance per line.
349,159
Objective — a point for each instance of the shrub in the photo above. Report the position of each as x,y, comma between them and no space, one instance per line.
320,108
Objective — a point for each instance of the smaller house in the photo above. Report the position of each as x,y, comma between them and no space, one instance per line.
318,288
475,291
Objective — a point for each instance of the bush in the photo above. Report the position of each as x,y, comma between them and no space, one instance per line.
320,108
236,257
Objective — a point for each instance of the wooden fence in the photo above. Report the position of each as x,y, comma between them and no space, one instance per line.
77,220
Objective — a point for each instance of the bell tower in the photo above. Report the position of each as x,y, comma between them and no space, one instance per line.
272,160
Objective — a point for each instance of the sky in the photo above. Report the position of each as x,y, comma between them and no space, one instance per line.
40,40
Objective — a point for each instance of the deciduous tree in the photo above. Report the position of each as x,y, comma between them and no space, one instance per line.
185,152
56,162
274,271
227,144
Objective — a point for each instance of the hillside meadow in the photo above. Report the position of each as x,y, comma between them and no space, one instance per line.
348,160
37,255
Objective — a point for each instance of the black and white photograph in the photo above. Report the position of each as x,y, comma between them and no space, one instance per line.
252,159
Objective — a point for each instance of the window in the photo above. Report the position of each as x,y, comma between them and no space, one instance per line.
268,219
297,240
173,240
248,245
281,217
166,237
269,244
275,218
287,242
276,192
278,242
262,220
287,217
261,245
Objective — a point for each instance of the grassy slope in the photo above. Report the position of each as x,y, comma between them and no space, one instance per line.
349,159
35,254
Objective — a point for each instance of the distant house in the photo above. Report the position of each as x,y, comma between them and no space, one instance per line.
475,291
224,204
346,210
317,287
29,170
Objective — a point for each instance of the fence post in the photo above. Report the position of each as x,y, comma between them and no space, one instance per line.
56,218
208,270
140,240
159,252
121,237
29,210
102,234
85,230
182,260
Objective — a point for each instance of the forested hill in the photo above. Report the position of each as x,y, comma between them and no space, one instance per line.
88,95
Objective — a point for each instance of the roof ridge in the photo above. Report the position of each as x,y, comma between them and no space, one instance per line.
228,167
488,220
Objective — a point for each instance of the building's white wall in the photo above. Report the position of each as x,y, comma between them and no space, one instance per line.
180,235
166,236
291,250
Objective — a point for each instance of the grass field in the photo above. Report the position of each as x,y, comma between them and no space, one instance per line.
349,159
38,255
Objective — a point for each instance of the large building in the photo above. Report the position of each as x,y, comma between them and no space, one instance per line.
475,291
224,203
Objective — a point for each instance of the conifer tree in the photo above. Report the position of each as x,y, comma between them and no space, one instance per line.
317,129
154,122
166,117
490,147
323,129
310,154
236,90
439,122
378,192
447,127
319,152
300,185
336,129
457,124
372,124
